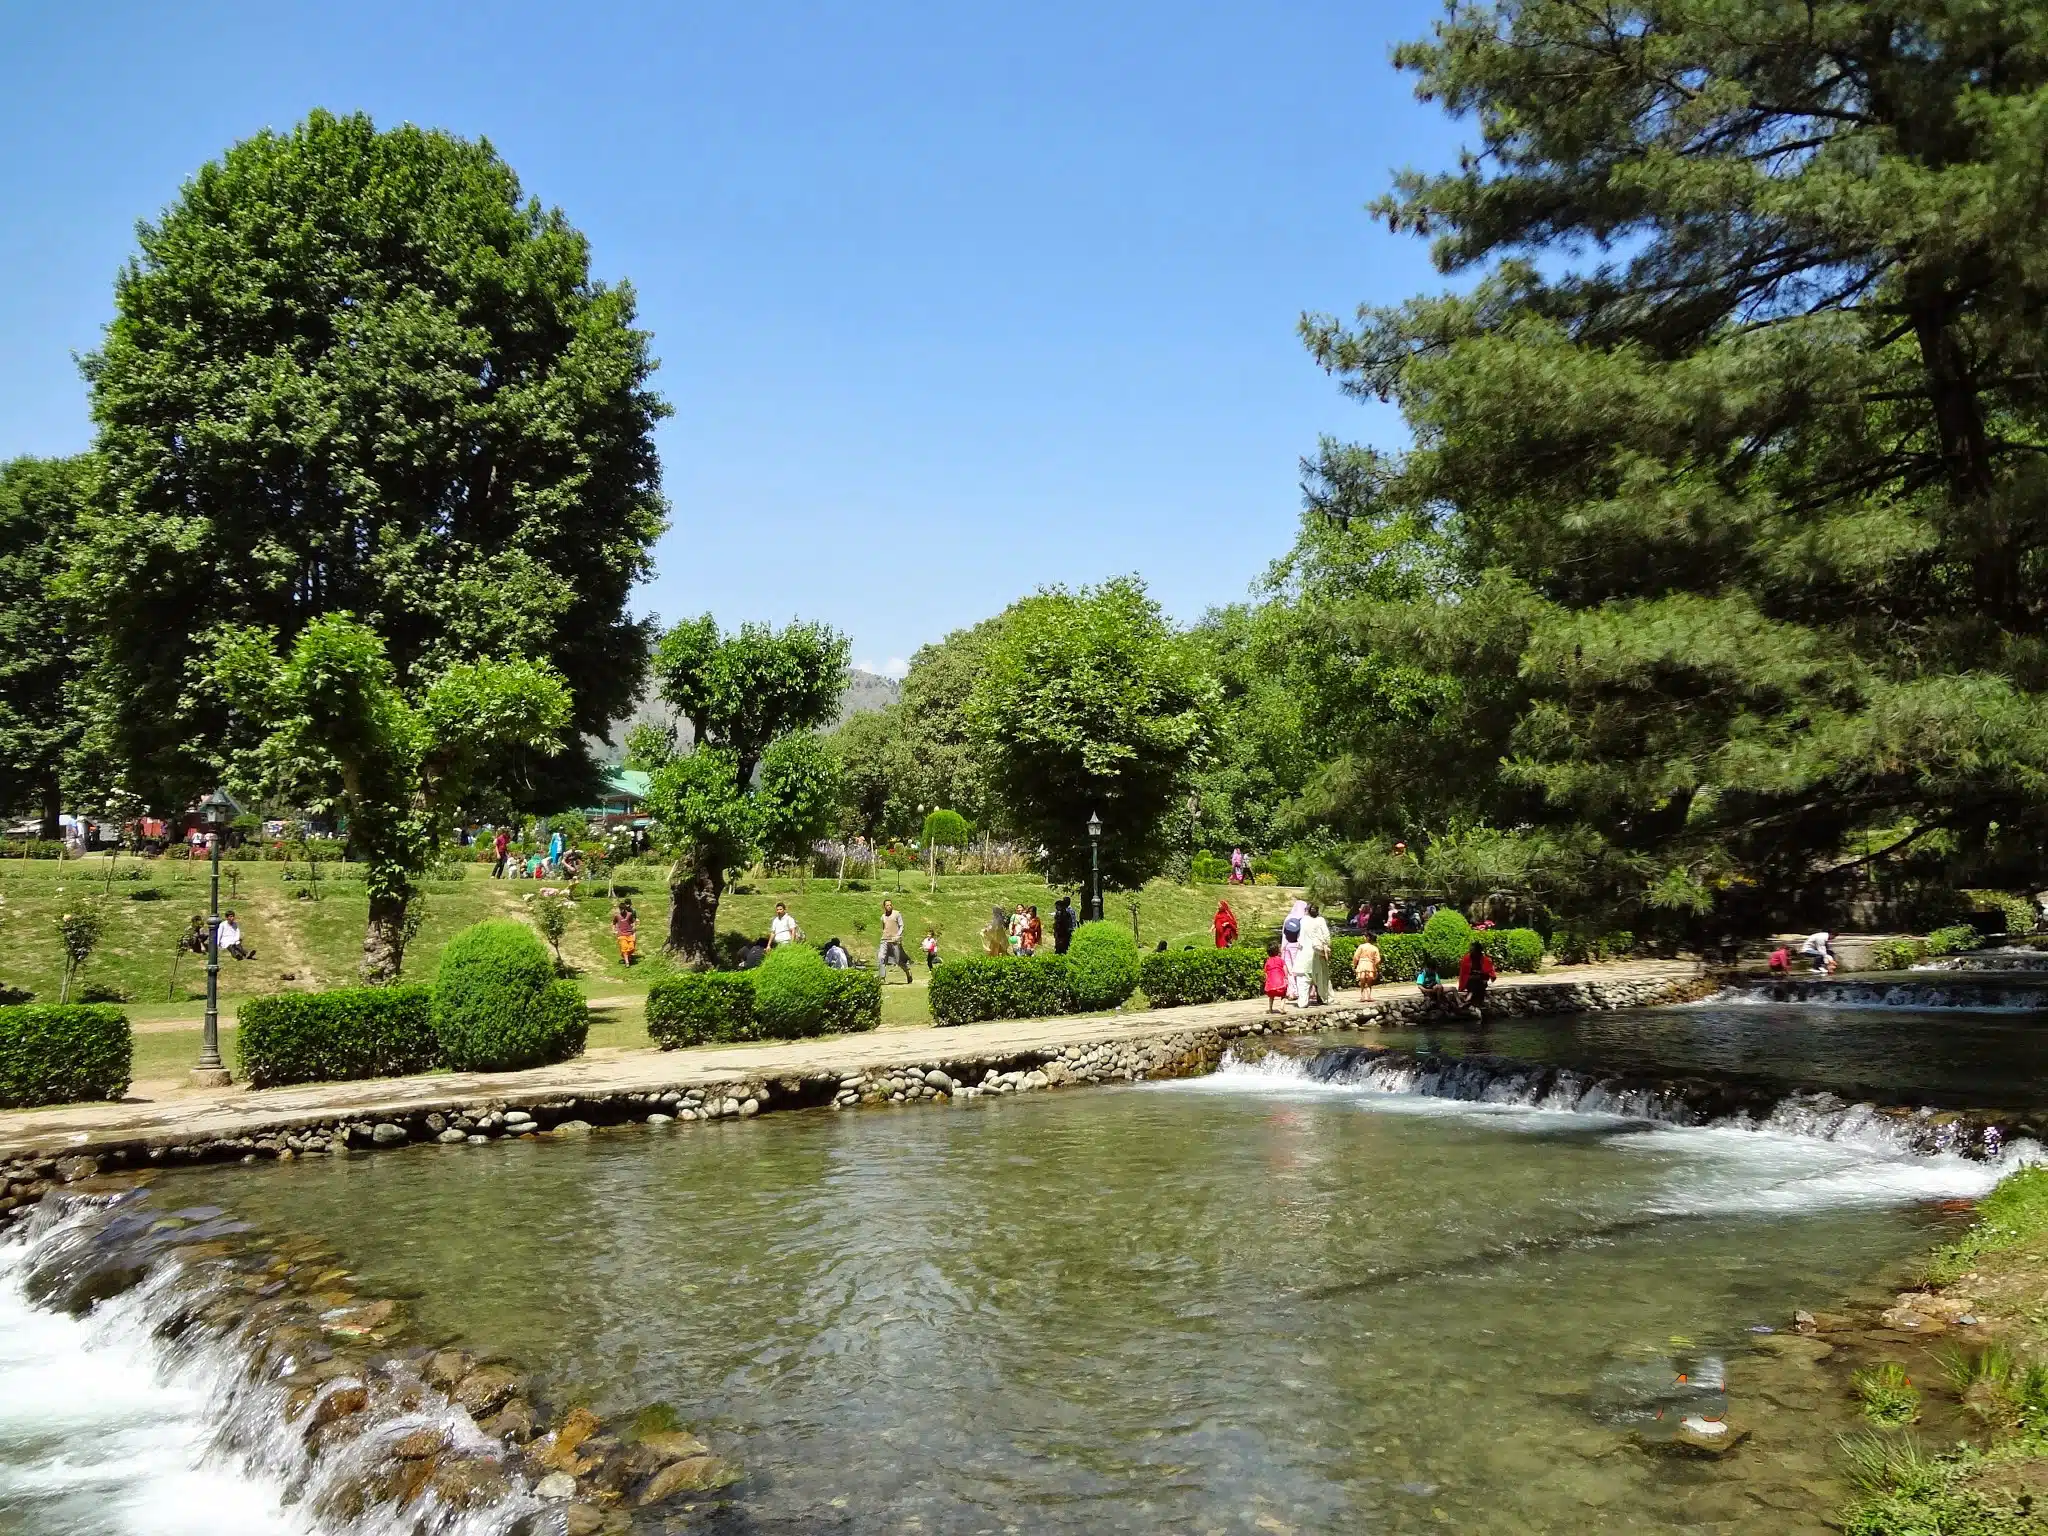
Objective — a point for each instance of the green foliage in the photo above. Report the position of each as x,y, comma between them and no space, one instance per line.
791,988
2016,910
1958,939
498,1006
1447,937
355,1032
551,915
1174,977
1908,1492
1896,954
79,932
1102,966
43,645
2015,1212
33,848
63,1054
876,772
328,724
701,1008
365,372
1208,868
946,829
1887,1394
1725,481
976,987
1515,949
716,1007
752,698
1090,703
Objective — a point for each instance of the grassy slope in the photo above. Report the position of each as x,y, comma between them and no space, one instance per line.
315,944
2001,1263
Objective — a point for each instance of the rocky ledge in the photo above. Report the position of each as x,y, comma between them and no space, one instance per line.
331,1391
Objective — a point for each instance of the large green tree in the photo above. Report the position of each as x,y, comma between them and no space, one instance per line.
756,778
362,371
1089,703
1736,438
42,651
327,723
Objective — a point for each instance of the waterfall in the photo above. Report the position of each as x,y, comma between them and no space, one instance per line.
1726,1104
164,1372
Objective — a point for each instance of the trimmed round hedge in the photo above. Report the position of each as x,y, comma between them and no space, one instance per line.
63,1053
792,992
344,1035
1102,967
498,1005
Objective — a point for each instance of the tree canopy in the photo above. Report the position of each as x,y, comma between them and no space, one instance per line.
361,371
1089,703
756,779
1730,463
42,648
328,725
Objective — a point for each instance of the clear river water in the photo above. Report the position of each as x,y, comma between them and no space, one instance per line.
1254,1302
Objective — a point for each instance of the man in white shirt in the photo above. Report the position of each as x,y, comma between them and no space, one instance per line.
1315,940
892,951
784,929
230,939
1820,947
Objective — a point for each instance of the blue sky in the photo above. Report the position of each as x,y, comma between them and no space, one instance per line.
952,301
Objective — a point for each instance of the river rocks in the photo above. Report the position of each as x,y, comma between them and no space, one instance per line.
1702,1438
674,1445
445,1367
454,1138
487,1388
556,1486
374,1321
1821,1322
420,1443
692,1475
339,1401
385,1133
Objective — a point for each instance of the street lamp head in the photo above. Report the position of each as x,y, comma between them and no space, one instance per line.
1094,827
216,811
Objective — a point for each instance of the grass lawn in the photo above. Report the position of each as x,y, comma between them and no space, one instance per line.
314,944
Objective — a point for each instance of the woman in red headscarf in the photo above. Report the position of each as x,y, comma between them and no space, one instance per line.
1225,925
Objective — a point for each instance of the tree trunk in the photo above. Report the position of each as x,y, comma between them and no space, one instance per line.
693,913
384,940
53,806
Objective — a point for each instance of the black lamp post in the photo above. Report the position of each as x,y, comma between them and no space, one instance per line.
215,812
1094,867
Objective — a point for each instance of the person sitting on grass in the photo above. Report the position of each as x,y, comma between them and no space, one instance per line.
230,938
835,955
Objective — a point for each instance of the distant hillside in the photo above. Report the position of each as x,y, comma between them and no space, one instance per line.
864,691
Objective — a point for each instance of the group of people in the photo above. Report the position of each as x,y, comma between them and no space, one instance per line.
1817,947
557,862
1298,963
890,954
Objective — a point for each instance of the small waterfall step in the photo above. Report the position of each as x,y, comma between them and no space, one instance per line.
1730,1102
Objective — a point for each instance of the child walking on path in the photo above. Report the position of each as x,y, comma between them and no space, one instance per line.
1276,976
626,929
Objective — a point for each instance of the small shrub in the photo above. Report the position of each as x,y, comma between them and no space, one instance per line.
1208,868
2016,912
701,1008
1519,949
1896,954
1265,877
79,932
1958,939
977,987
339,1036
1401,956
1102,964
63,1053
32,848
1447,937
498,1005
1174,977
1887,1394
854,1004
551,915
792,990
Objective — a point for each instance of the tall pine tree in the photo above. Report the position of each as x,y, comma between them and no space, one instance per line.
1738,435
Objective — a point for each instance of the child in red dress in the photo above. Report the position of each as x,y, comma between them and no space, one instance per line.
1276,976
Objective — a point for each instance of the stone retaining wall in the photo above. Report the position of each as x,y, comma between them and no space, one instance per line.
941,1077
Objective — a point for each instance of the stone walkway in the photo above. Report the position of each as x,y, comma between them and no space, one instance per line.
225,1113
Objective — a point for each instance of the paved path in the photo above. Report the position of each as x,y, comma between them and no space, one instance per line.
217,1113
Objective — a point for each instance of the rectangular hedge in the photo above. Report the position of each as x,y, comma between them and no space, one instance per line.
717,1007
54,1053
1175,977
977,987
350,1033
